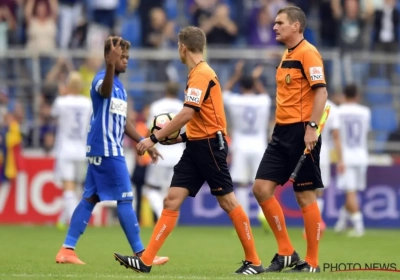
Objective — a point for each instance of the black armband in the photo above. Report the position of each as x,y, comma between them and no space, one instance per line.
184,137
154,139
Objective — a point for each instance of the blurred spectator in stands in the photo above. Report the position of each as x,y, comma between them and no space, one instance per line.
40,17
8,23
102,24
25,124
3,104
327,23
46,127
55,77
260,33
217,24
352,24
161,32
10,149
144,9
88,70
70,15
104,13
386,35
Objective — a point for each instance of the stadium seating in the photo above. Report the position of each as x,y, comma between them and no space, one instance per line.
383,122
377,91
384,118
131,30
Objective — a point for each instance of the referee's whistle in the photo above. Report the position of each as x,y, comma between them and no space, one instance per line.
220,140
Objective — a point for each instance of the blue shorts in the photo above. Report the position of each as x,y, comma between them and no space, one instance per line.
108,178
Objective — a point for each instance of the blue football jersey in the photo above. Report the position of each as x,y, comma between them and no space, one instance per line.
108,120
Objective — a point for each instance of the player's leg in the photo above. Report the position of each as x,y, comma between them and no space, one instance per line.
343,185
308,181
254,162
213,165
65,173
116,186
326,176
240,177
185,182
79,220
152,190
271,172
356,178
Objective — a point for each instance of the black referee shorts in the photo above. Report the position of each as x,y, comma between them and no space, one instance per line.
203,161
283,153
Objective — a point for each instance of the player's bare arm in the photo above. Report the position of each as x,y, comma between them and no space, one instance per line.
311,137
338,148
235,77
111,59
182,118
256,74
132,133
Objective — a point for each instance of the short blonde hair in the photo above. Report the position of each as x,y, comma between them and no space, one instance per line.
75,82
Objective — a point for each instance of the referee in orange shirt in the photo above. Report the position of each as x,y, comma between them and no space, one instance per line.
203,160
300,100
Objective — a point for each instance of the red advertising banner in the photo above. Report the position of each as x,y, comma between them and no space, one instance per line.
34,197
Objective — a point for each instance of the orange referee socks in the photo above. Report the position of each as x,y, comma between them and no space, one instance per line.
242,226
163,228
312,224
274,215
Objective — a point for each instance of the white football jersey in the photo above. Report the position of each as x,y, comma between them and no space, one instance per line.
331,124
170,153
73,117
354,125
249,119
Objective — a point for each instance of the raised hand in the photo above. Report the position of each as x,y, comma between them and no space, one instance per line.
115,51
257,71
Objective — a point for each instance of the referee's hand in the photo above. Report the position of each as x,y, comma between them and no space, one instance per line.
310,138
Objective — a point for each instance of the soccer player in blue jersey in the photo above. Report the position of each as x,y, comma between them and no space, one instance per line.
107,176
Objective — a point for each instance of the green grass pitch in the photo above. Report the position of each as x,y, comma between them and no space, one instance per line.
195,253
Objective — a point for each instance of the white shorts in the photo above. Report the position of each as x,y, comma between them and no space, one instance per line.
71,170
244,166
159,176
353,179
326,175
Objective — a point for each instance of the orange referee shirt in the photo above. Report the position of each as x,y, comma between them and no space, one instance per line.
203,93
299,73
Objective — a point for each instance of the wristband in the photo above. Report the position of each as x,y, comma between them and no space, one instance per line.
184,137
154,139
141,139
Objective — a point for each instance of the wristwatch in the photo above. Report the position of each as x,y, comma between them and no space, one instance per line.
313,125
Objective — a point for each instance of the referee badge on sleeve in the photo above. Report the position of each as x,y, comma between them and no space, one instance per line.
287,78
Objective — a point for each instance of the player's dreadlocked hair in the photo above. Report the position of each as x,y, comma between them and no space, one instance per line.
125,45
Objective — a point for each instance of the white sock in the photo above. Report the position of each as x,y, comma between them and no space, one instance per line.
357,221
321,204
342,220
63,218
156,201
70,203
242,194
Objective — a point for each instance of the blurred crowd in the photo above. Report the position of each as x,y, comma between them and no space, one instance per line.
42,27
